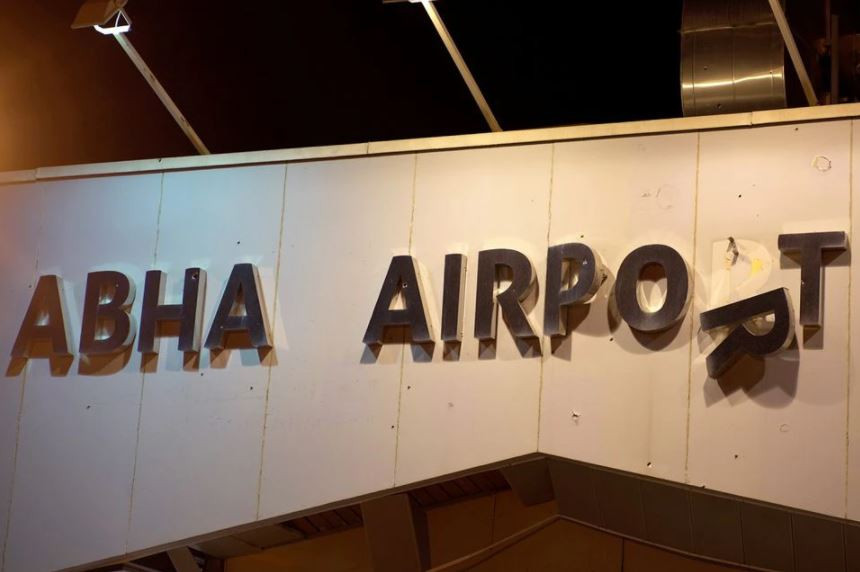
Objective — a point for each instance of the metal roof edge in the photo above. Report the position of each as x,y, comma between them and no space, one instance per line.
525,136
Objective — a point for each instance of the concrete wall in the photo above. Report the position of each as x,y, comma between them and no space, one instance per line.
99,459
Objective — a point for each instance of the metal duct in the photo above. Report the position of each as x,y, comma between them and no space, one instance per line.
732,57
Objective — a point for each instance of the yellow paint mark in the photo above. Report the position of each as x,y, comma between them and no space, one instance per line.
756,266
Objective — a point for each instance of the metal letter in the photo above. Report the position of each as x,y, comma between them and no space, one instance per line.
452,297
486,308
402,277
810,246
741,341
590,276
107,300
189,313
677,288
243,289
45,320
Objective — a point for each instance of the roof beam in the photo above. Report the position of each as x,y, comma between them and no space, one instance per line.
478,96
162,94
793,52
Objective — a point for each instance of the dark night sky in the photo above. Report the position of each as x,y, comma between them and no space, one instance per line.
290,73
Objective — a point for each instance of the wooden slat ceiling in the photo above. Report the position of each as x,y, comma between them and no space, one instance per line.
336,520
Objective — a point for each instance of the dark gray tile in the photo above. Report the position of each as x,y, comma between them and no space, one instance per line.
818,544
667,515
852,547
716,526
767,537
620,503
573,484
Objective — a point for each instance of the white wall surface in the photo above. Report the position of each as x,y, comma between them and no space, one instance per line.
78,433
20,221
93,466
785,421
608,398
201,424
853,400
483,406
331,427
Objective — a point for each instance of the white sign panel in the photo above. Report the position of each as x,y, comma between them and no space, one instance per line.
275,403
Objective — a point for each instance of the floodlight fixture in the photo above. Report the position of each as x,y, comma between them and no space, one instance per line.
455,54
120,25
109,17
97,13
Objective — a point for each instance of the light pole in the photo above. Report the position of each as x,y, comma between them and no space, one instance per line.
108,17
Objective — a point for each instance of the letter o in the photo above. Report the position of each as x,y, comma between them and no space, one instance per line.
677,288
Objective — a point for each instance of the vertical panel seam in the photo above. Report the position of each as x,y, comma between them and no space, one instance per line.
143,376
14,468
21,396
740,510
693,308
791,539
493,519
158,221
274,348
641,495
848,375
403,345
593,482
541,337
690,521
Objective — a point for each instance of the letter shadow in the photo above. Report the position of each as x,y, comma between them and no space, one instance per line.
813,337
391,335
486,349
106,364
527,348
656,341
149,362
169,330
16,366
770,382
423,353
613,315
59,364
451,351
249,355
561,346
